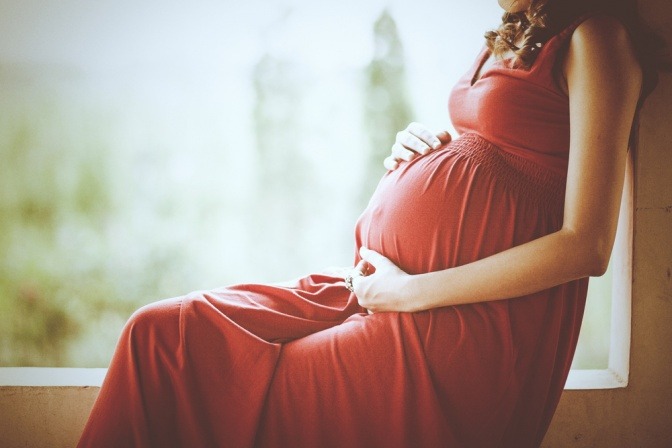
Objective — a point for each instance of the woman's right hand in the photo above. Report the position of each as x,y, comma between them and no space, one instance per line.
416,140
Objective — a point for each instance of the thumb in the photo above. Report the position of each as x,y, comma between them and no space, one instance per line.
373,258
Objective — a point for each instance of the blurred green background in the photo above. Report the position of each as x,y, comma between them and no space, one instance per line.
148,149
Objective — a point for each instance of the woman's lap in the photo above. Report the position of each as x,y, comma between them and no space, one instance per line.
350,384
325,373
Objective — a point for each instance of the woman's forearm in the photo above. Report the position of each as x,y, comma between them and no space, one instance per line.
540,264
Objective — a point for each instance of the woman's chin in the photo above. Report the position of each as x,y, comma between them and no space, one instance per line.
514,6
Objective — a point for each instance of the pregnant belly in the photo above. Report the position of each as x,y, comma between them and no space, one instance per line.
458,204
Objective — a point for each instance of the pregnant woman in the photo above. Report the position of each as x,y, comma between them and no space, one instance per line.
458,324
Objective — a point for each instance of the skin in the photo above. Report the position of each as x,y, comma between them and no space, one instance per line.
601,114
514,5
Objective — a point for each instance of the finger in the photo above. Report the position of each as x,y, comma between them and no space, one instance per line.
412,142
374,258
390,163
399,152
336,271
444,137
424,134
361,268
355,284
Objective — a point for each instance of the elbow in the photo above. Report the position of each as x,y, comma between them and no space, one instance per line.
592,254
599,265
599,260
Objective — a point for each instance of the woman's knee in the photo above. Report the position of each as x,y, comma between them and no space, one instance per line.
155,316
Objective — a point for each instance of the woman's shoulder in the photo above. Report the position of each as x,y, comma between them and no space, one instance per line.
601,48
626,38
603,37
601,30
593,44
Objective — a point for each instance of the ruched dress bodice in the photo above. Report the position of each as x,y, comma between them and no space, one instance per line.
523,112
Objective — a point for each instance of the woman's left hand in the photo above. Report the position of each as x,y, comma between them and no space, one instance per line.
380,285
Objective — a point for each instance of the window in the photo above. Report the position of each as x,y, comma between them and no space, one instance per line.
129,152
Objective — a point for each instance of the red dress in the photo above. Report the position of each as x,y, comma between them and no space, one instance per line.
305,366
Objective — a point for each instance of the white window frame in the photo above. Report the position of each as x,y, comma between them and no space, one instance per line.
617,373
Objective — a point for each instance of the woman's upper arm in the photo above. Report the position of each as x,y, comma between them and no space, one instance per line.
603,83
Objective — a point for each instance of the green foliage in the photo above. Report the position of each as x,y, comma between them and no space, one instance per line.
35,324
55,201
282,172
387,109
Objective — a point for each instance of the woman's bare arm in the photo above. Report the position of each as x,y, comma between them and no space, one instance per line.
603,81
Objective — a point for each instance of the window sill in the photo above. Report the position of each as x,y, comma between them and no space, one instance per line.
80,377
51,377
594,379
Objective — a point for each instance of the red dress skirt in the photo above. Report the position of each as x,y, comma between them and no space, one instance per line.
305,366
